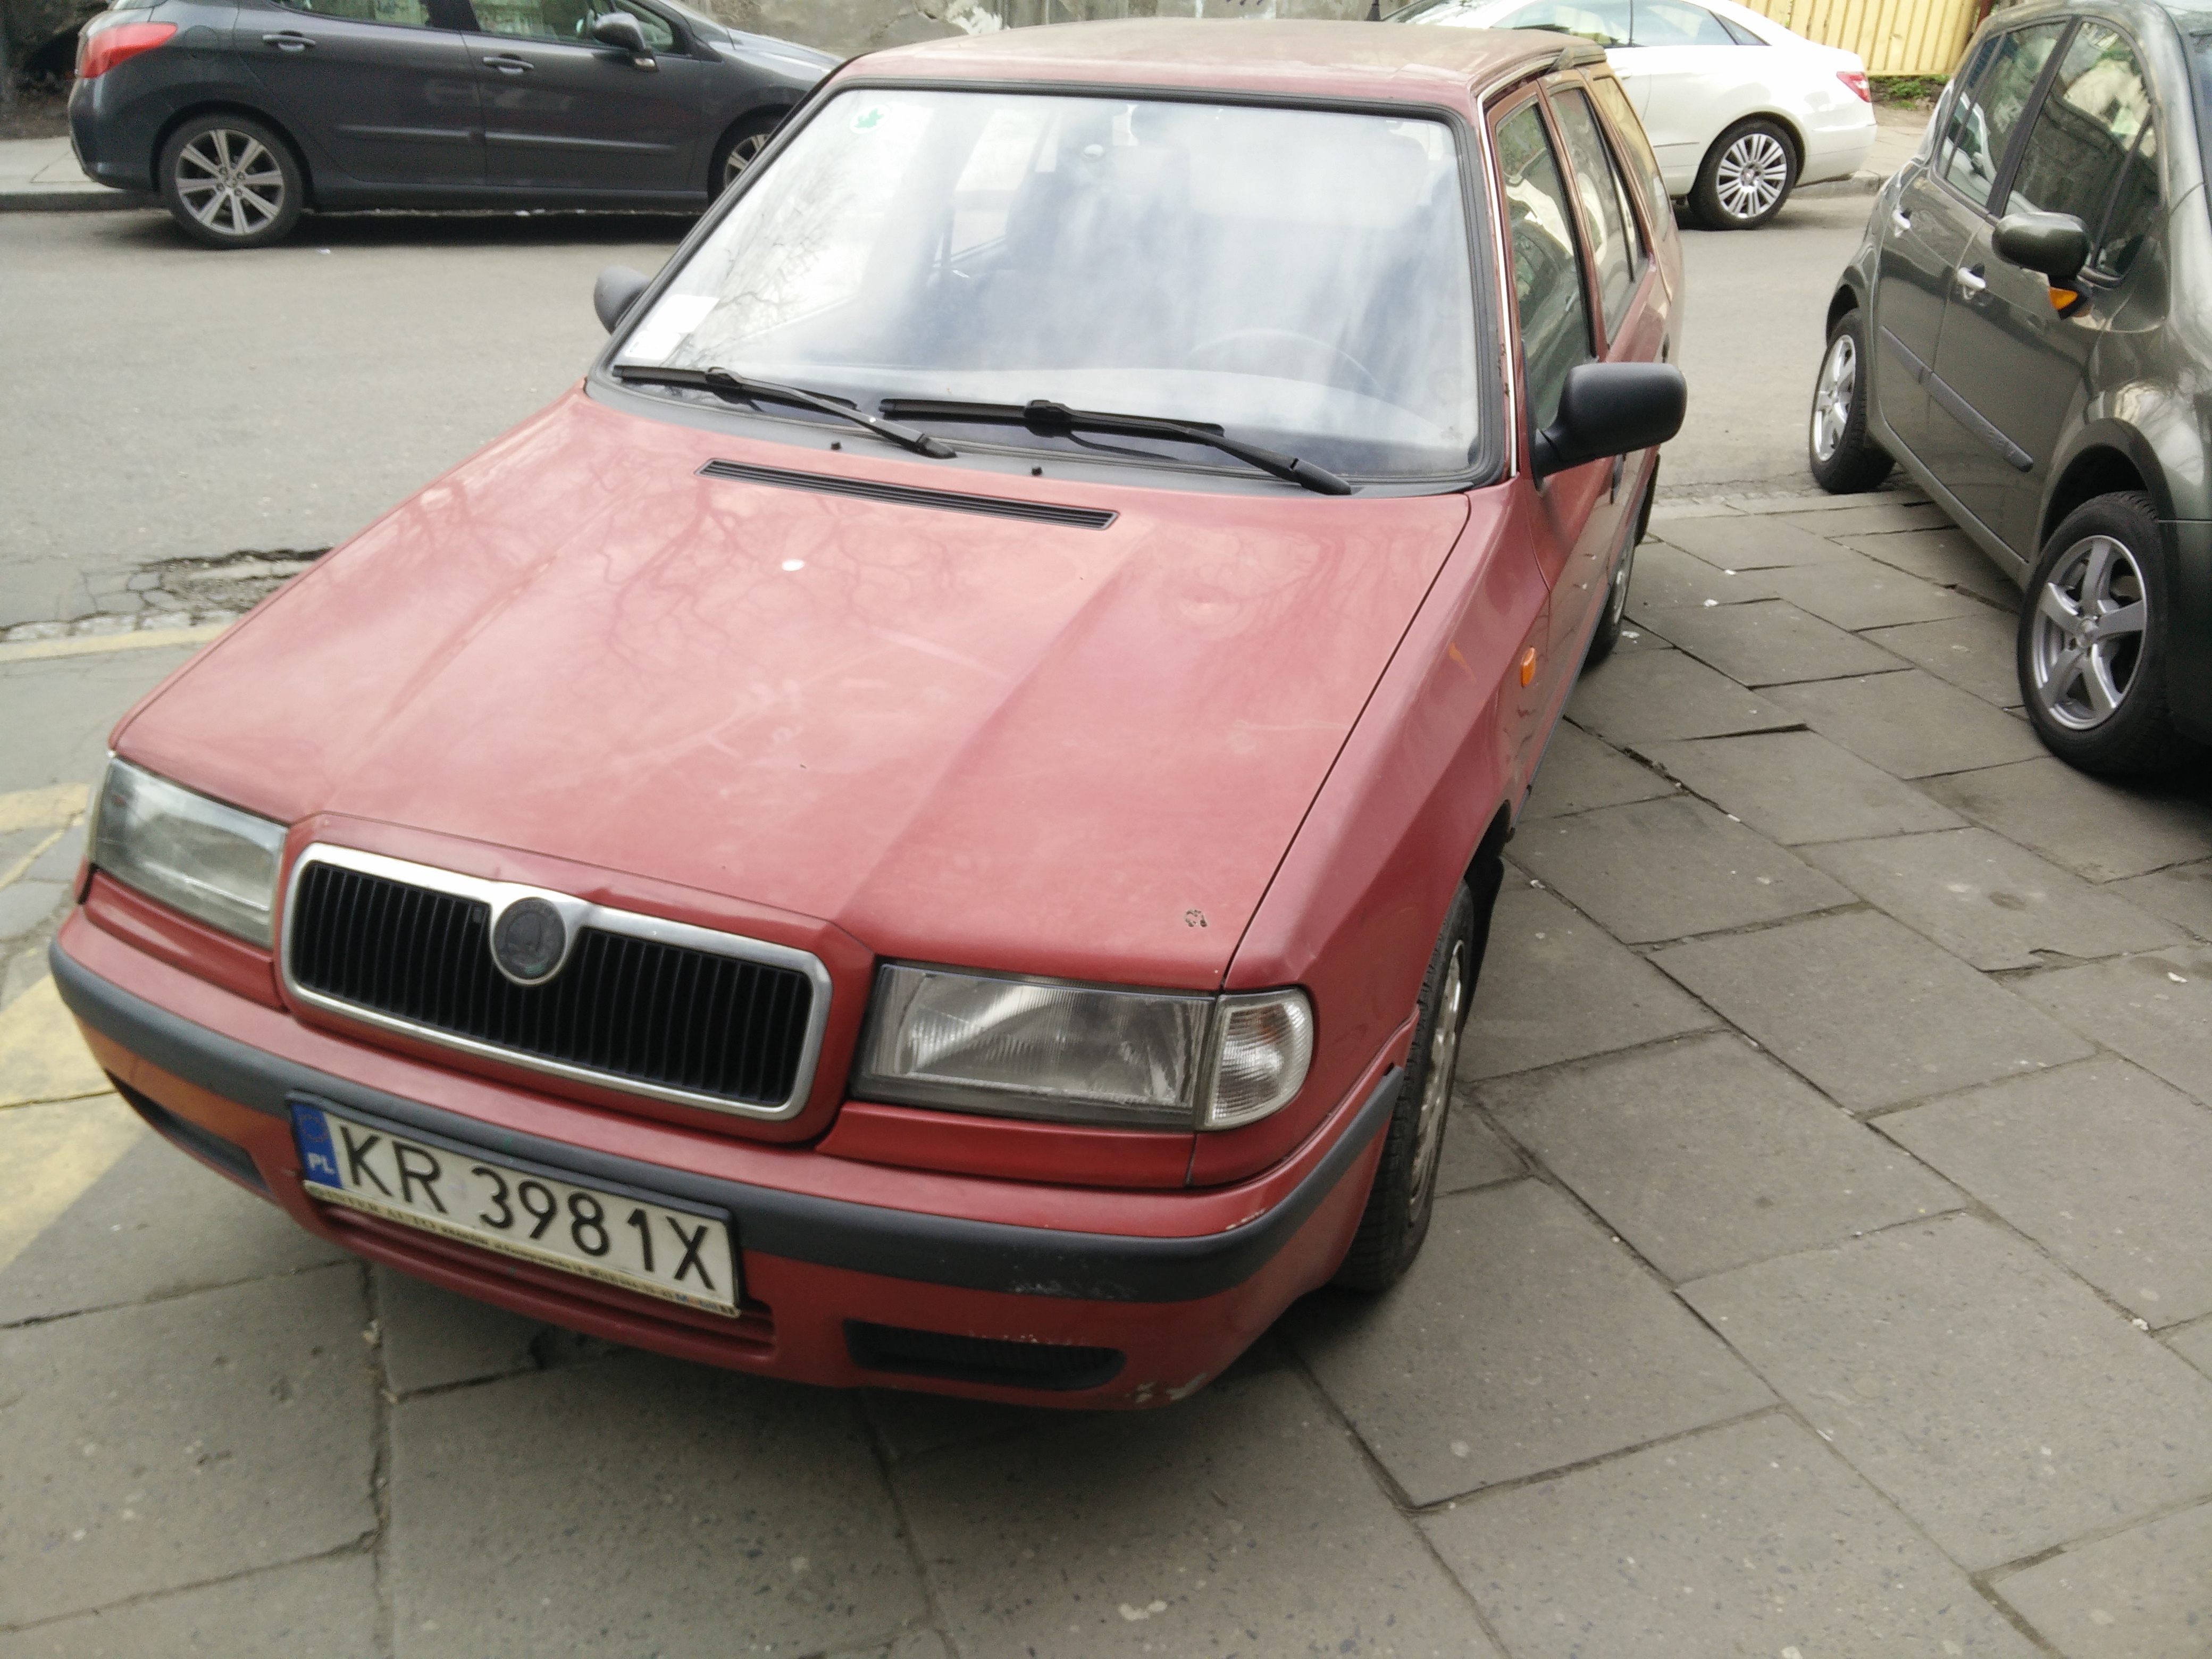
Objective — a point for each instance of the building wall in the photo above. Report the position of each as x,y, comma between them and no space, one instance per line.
848,26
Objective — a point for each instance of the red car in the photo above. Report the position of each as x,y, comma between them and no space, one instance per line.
934,821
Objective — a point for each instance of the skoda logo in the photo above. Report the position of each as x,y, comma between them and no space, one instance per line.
528,940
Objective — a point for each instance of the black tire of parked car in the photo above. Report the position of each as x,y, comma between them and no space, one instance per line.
741,147
2106,557
1404,1195
229,181
1854,462
1615,613
1746,176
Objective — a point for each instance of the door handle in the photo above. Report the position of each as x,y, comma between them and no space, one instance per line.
508,65
288,40
1900,220
1972,283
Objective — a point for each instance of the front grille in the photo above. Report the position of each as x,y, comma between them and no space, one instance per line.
1058,1366
631,1009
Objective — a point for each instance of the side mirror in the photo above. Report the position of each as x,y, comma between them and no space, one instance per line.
617,290
2052,243
1610,409
621,31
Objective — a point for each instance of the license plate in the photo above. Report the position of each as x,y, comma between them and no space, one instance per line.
604,1232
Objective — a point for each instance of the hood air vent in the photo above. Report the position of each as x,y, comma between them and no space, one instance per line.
1076,517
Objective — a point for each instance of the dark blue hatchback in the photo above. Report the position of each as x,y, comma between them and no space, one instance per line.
244,113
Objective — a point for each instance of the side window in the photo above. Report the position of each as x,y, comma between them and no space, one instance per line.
567,20
1612,238
2134,209
1547,277
2094,121
409,14
1636,145
1604,22
1737,32
1672,24
1988,106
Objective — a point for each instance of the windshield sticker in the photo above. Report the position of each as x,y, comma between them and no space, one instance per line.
869,119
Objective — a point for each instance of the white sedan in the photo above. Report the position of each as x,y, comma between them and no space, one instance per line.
1740,111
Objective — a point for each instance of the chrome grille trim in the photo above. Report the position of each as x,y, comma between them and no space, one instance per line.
577,914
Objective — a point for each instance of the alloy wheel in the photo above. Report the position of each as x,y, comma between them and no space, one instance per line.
230,181
2087,638
1753,173
1832,396
743,155
1436,1087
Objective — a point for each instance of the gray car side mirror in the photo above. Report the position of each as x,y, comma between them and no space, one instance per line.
622,32
616,291
1610,409
2052,243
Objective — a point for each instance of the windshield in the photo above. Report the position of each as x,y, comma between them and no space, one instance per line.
1299,278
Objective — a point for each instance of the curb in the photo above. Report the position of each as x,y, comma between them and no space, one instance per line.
1862,183
74,198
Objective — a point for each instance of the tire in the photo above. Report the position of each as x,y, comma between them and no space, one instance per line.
1746,176
231,182
1842,458
2092,644
740,147
1403,1197
1616,594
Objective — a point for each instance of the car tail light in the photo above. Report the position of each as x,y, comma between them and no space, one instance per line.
99,50
1857,81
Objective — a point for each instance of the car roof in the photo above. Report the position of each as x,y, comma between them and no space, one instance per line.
1304,57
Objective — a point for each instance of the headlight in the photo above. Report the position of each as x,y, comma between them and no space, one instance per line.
210,860
1032,1048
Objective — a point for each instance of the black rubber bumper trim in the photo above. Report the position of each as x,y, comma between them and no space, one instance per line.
931,1249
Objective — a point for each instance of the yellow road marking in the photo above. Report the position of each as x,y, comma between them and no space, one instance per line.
42,1057
92,645
51,1153
34,809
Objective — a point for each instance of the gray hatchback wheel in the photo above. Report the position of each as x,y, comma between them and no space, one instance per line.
230,182
2085,653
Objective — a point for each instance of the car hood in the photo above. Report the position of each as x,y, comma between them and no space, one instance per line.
959,736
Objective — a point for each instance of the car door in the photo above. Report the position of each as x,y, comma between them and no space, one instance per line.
1551,299
564,112
2009,366
383,88
1939,206
1629,323
1686,71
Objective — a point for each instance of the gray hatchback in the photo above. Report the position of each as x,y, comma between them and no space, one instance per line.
242,114
2026,330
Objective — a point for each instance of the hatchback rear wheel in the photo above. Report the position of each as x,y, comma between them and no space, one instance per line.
1746,176
228,181
1844,459
2092,642
742,146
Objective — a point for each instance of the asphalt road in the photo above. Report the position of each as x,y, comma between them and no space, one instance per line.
167,403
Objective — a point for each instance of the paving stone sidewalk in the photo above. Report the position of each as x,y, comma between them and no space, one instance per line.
1824,1269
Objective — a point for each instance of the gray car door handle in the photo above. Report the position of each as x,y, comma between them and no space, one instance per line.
1900,219
1971,283
288,40
506,65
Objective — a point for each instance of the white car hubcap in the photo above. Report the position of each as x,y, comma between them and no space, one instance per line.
1753,172
230,182
2086,643
1832,397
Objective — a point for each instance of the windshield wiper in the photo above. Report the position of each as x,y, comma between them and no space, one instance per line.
740,388
1051,420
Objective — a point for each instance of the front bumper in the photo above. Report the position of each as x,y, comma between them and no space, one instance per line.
828,1245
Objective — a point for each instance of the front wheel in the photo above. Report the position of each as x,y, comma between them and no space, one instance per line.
1746,176
1842,458
1399,1204
230,182
2093,642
